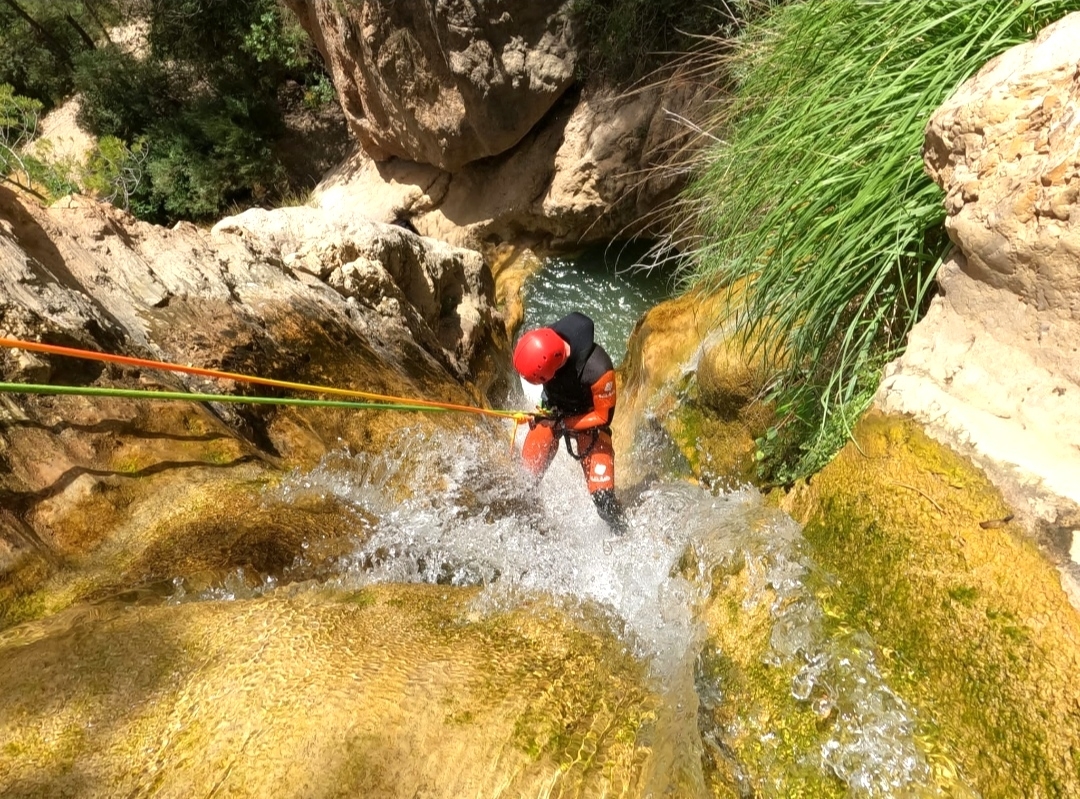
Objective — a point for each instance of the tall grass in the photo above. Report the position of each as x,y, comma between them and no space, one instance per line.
813,193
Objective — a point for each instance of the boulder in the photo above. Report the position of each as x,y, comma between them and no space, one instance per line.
442,294
98,493
691,395
589,172
443,83
994,367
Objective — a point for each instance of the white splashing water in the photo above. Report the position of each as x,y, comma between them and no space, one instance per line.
471,517
483,523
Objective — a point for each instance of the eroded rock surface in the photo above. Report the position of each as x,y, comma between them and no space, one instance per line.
692,393
100,484
442,294
589,172
443,83
396,691
994,368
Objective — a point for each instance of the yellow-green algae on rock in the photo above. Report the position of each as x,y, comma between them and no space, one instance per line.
119,492
686,376
767,734
511,266
196,524
972,624
758,736
395,691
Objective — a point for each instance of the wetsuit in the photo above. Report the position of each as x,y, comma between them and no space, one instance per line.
581,399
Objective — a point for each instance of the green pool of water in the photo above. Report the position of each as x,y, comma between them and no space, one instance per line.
614,284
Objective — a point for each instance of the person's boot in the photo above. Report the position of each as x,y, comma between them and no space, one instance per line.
610,510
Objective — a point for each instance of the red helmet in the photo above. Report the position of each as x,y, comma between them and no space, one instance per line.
539,354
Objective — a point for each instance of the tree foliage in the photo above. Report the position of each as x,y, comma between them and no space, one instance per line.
39,40
202,101
193,112
122,95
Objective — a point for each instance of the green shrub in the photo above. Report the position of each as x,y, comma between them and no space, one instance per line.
213,154
814,193
54,179
18,123
274,39
114,171
18,116
201,106
319,92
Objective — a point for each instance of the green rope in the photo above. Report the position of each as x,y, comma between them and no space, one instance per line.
90,391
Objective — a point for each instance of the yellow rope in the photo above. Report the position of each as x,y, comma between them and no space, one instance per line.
126,360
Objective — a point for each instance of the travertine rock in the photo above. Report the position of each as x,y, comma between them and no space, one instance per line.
994,368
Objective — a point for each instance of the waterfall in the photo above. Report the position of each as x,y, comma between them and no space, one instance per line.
480,521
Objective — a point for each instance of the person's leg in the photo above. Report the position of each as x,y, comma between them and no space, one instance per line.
539,450
599,468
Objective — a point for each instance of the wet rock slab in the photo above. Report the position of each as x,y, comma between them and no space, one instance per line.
393,691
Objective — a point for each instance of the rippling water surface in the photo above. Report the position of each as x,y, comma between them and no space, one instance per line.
614,285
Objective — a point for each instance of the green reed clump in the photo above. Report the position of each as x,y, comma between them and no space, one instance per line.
813,193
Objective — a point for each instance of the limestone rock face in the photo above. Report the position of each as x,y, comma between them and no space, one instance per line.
284,295
443,83
1006,150
442,294
994,368
585,174
83,264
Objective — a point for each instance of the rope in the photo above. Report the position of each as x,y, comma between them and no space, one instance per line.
130,393
382,400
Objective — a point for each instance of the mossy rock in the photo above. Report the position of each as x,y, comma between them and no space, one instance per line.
511,266
686,376
769,739
395,691
971,620
198,530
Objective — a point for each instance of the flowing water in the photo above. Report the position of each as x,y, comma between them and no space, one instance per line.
480,522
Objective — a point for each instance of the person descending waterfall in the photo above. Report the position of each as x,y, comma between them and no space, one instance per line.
579,400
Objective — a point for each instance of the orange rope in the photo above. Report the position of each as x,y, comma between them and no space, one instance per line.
53,349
